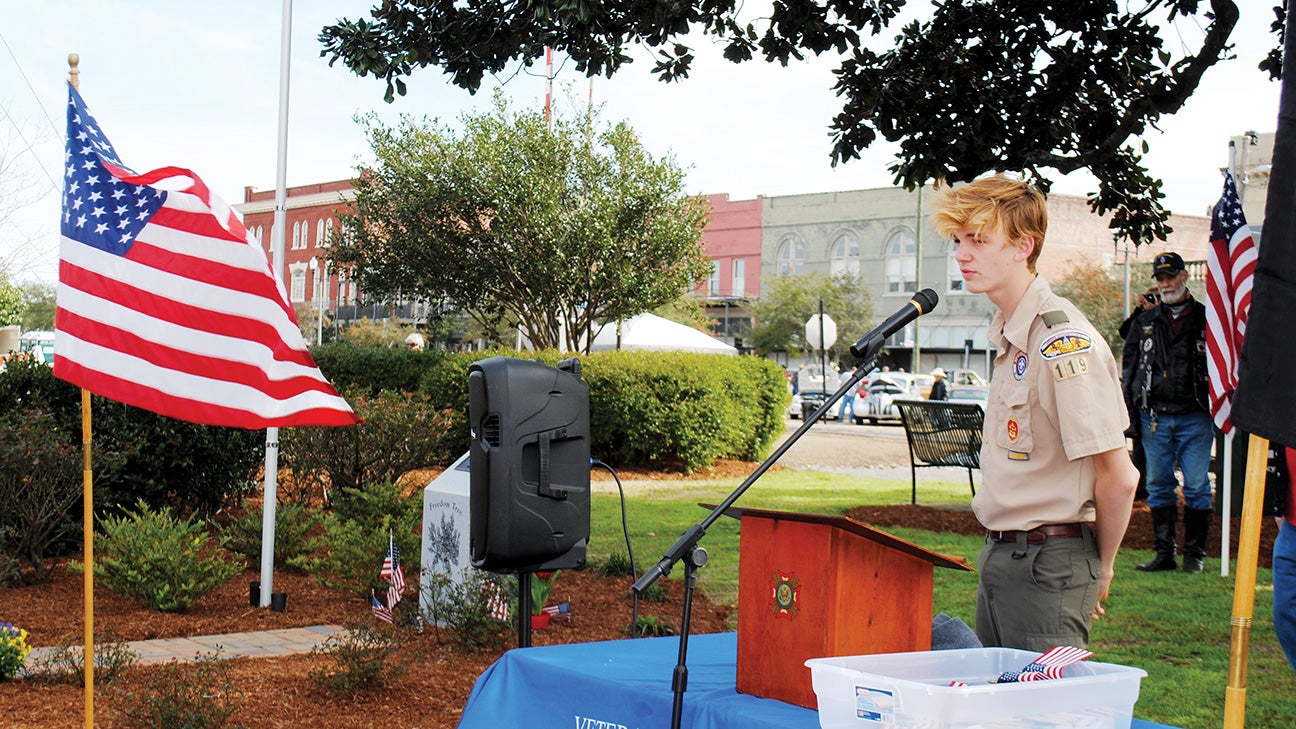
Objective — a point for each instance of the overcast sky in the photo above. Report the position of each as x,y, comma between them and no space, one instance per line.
196,85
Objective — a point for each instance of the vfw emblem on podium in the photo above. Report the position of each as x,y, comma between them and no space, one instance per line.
785,592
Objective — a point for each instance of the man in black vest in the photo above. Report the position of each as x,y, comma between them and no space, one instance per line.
1165,382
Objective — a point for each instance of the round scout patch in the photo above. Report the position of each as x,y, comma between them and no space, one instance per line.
1019,365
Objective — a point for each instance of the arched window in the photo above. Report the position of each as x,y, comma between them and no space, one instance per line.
845,255
901,255
319,233
298,289
952,273
790,257
328,232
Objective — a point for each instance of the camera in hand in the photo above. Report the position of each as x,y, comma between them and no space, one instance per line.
1150,298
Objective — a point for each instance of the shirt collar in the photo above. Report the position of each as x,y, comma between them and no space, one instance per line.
1016,331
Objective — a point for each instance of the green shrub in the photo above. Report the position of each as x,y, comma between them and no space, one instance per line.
137,454
650,626
363,656
616,565
401,432
65,664
649,408
159,560
195,695
371,369
40,484
465,609
352,551
293,525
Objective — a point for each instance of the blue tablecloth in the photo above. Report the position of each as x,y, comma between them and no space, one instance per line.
626,684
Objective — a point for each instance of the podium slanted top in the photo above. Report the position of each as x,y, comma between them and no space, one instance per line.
855,527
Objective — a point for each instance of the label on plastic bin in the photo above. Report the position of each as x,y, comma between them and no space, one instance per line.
874,705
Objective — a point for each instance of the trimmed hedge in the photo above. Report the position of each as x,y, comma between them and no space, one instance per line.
374,369
657,409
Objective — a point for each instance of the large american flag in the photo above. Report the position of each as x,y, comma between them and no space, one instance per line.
167,303
1230,266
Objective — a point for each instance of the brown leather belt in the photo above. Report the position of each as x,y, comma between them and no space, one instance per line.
1040,533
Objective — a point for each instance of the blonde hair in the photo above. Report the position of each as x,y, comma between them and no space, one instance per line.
995,204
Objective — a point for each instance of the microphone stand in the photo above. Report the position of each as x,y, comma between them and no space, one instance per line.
695,557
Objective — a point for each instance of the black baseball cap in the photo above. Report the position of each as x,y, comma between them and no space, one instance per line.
1171,263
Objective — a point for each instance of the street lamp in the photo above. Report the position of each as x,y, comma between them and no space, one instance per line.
319,275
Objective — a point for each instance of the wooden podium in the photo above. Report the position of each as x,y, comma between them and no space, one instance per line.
814,586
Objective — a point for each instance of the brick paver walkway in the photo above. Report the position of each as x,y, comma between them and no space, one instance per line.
264,643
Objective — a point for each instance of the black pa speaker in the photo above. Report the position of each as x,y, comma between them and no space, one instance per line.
529,465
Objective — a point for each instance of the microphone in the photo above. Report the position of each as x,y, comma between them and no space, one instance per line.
869,344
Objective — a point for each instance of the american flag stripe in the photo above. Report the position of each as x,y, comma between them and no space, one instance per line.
381,611
166,302
1230,267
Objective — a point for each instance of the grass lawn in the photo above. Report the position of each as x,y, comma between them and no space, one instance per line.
1174,626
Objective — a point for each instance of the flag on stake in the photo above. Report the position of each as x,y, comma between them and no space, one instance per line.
167,303
392,572
380,611
1230,266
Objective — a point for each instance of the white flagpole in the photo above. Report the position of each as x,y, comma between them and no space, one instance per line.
277,252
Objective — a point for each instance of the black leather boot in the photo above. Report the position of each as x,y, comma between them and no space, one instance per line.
1164,519
1196,528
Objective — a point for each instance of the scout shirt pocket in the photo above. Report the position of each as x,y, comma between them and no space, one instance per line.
1015,433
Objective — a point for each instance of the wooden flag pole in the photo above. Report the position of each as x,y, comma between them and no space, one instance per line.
87,504
1244,586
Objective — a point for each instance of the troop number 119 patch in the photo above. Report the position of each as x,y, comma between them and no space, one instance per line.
1069,367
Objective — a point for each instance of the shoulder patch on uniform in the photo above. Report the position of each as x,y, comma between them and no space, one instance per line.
1053,318
1071,341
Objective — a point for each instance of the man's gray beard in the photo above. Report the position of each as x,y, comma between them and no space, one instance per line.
1177,296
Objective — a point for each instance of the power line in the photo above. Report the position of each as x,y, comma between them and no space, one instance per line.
53,127
30,145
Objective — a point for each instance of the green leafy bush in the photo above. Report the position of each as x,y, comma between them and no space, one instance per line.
465,609
650,626
401,432
195,695
137,454
363,656
293,525
40,484
159,560
373,369
616,565
650,408
350,551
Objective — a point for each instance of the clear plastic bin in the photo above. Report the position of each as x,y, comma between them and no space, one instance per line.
912,691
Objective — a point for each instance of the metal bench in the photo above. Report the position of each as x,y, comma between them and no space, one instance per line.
941,433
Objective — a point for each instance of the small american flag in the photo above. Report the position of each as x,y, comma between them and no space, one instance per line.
167,303
381,611
1047,666
496,604
391,569
562,608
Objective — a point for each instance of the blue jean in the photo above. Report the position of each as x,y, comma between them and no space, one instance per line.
1185,441
1284,590
848,400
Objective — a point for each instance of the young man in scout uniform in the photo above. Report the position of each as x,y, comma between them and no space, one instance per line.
1057,481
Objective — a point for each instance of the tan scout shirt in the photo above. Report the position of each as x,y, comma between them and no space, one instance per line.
1055,398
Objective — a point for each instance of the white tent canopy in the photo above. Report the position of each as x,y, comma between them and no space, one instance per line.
649,332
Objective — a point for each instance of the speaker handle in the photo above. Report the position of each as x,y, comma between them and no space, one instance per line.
543,489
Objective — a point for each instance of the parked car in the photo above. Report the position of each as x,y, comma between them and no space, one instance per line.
885,389
977,395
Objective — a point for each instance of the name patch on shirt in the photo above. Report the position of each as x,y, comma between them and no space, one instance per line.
1065,369
1018,456
1072,341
